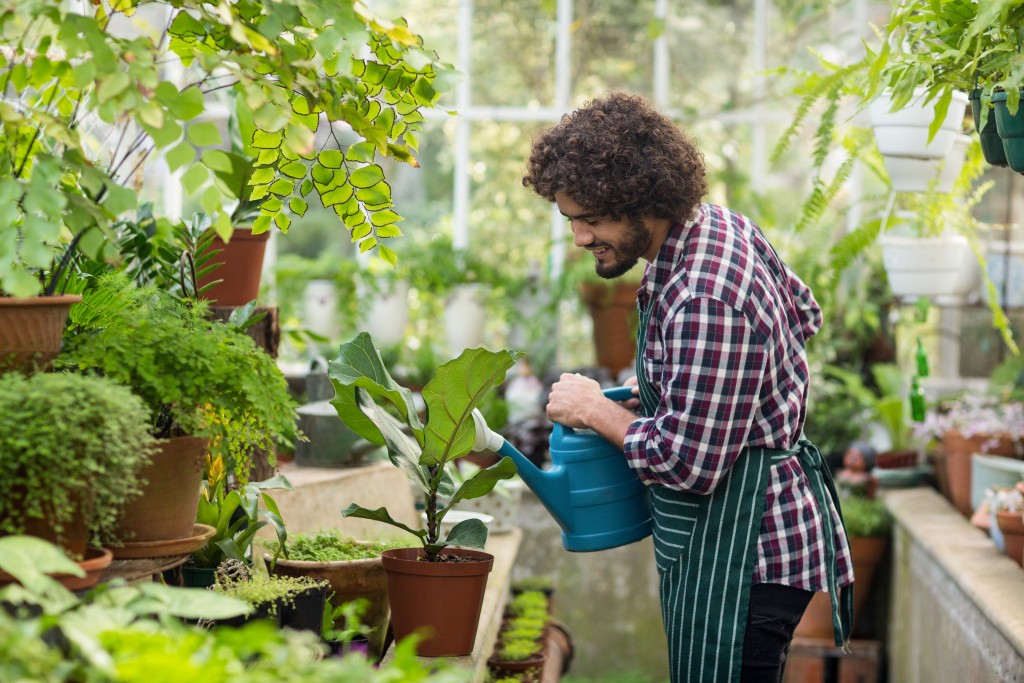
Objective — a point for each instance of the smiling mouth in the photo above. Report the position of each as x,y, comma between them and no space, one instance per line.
600,251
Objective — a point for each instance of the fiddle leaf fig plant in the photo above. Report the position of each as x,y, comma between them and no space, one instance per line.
373,405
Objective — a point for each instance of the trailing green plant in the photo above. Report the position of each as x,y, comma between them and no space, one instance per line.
864,516
89,104
196,376
236,516
423,450
71,448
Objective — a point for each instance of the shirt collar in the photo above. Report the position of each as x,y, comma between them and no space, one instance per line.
670,255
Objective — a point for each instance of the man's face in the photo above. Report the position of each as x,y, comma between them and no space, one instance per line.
616,243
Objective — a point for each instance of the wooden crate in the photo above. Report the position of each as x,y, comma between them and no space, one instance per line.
818,660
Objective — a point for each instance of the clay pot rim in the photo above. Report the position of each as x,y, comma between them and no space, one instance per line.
321,564
55,300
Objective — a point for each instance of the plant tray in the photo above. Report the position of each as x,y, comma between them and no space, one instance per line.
201,533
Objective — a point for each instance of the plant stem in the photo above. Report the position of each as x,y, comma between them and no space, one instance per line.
35,136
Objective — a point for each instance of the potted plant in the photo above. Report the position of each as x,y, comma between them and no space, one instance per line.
1008,508
437,586
296,602
351,566
205,383
71,452
521,647
969,424
236,516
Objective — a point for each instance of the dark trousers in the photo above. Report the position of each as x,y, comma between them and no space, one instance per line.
774,613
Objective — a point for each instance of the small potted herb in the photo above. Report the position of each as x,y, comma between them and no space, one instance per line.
294,602
372,404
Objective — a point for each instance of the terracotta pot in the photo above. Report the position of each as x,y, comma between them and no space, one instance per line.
527,670
167,508
31,330
95,561
1011,524
73,538
894,459
959,450
614,315
440,599
240,269
867,554
350,580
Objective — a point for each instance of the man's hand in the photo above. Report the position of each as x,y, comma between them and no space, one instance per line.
571,398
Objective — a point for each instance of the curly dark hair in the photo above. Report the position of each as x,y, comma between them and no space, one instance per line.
618,156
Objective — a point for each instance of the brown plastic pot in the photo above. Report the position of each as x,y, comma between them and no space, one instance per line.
167,508
440,600
240,268
1011,524
31,330
613,311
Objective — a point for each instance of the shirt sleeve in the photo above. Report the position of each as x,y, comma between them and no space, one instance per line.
710,379
806,305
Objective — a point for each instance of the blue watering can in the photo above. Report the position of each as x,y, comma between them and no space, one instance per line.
590,490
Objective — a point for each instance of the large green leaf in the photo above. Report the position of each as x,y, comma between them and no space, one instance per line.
455,390
469,533
481,483
379,515
403,450
359,364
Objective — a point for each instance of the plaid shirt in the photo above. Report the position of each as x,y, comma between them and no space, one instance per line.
725,351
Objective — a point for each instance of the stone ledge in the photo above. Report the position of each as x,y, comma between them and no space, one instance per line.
957,606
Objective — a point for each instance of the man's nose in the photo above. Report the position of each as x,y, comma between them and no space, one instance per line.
581,234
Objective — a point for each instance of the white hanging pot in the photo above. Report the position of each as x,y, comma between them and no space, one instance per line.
925,266
908,174
464,318
319,310
387,313
904,133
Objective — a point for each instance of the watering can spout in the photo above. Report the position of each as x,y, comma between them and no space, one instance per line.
551,486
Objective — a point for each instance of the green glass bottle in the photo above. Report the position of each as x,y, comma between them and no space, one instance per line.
917,402
922,359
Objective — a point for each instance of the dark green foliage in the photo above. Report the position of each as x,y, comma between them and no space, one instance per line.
68,441
196,376
865,517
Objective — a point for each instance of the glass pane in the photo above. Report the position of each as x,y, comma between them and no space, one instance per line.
612,47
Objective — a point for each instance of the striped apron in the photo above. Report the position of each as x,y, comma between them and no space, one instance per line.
706,548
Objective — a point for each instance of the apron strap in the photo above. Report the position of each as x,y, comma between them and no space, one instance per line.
824,490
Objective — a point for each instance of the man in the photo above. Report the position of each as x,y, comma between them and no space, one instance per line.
746,526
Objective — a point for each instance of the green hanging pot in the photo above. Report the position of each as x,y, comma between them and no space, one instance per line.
1011,130
991,143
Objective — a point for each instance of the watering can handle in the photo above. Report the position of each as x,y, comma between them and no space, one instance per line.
615,394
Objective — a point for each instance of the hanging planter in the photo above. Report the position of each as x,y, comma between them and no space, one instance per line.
991,143
464,318
388,311
904,133
908,174
1011,131
926,266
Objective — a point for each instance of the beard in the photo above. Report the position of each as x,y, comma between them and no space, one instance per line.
634,244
